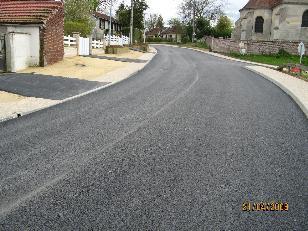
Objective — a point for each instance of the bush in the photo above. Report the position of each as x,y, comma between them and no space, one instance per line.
282,53
84,28
160,40
186,39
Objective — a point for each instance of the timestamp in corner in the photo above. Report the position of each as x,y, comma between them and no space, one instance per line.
265,206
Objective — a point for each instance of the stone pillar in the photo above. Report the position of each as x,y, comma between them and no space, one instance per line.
76,35
90,45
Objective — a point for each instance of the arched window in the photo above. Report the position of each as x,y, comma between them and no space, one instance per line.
305,19
259,24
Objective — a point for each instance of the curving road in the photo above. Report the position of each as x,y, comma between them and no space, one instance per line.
179,146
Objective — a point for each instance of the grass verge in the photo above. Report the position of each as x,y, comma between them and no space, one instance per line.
277,60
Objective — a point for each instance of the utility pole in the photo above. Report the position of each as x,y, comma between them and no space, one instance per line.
132,23
144,28
110,22
194,23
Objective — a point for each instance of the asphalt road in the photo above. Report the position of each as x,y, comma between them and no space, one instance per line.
179,146
45,86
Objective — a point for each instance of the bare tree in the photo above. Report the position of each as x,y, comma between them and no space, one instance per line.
209,9
151,21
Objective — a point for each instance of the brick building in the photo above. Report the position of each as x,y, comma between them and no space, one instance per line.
32,31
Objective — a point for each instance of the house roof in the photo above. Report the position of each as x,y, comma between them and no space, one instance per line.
154,31
170,30
28,11
262,4
105,17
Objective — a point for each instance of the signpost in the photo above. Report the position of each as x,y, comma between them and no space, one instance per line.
301,51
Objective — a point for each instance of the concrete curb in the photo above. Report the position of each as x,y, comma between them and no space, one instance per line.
82,94
220,56
295,96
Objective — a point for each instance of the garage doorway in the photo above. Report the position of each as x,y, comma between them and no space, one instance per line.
2,53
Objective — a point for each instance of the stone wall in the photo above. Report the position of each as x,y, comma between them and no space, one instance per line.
253,47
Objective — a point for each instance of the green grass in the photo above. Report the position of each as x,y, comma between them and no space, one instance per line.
196,45
305,76
277,60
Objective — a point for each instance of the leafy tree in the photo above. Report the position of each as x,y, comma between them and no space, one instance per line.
95,4
160,22
203,28
124,13
209,9
223,27
178,25
78,17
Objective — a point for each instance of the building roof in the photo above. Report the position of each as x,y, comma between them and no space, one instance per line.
170,30
154,31
262,4
28,11
105,17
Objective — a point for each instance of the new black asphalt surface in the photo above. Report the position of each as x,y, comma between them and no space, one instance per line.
179,146
45,86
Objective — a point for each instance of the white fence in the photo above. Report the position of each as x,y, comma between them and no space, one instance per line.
117,41
84,43
97,44
69,41
114,41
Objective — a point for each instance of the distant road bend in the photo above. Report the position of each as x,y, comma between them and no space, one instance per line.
179,146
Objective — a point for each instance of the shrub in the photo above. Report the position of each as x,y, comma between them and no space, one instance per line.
283,53
84,28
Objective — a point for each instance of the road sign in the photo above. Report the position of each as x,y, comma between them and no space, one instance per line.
301,51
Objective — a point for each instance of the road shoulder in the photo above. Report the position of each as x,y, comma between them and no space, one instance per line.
20,106
297,89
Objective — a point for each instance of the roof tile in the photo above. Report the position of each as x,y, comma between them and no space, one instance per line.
262,4
28,11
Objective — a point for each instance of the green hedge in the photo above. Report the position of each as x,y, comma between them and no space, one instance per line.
159,40
84,28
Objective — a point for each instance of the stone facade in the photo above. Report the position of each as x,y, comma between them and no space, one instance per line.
282,20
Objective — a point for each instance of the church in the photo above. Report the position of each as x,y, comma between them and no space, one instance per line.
272,20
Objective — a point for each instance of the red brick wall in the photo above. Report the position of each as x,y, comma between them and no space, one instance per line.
254,47
51,36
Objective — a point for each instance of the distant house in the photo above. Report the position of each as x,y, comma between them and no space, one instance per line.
31,33
102,25
171,33
154,33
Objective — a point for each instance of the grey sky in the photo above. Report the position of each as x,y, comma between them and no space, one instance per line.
169,8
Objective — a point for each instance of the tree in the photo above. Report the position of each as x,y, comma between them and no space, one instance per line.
160,22
208,9
179,27
95,4
203,28
223,27
177,24
152,21
124,11
78,17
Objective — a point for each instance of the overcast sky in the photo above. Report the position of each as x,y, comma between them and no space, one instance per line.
169,8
